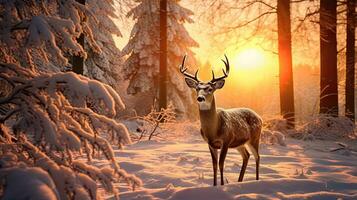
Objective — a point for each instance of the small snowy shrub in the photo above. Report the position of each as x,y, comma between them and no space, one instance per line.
321,127
324,127
51,121
273,137
274,131
154,123
276,124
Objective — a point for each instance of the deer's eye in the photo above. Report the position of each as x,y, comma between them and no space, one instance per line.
209,89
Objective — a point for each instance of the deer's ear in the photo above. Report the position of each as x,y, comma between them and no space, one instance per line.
219,84
191,83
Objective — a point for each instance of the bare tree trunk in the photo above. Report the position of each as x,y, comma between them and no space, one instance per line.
350,60
163,55
285,63
328,58
78,61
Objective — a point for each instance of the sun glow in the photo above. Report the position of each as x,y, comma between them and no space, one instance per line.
250,66
249,59
252,77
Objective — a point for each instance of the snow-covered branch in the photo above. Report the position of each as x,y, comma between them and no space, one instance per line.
44,31
64,115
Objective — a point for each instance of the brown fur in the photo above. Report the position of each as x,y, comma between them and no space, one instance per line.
238,128
232,128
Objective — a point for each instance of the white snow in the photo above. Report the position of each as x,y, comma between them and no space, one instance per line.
35,184
179,167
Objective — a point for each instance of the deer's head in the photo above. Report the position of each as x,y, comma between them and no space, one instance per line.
204,90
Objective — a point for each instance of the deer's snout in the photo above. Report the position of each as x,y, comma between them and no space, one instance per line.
201,98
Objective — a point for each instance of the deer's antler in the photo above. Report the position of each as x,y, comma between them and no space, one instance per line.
183,70
225,72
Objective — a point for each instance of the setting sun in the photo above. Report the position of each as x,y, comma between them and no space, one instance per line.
250,59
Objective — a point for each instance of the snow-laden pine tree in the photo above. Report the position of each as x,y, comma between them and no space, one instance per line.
103,66
51,121
141,67
54,121
42,35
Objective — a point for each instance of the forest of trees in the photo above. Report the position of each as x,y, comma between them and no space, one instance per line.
49,116
330,15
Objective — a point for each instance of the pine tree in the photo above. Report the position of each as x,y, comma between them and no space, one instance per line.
142,66
43,36
56,115
103,66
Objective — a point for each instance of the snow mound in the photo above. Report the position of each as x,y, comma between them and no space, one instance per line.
266,189
273,137
35,182
325,127
276,124
321,127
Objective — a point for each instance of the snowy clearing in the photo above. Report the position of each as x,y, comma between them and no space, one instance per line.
181,169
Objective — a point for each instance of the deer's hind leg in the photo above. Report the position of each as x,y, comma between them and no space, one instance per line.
245,155
254,149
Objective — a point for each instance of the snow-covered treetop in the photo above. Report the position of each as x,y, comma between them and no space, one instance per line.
142,34
144,37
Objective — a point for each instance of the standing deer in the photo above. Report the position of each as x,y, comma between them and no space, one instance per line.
238,128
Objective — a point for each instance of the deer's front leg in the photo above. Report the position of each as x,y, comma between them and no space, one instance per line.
214,155
222,157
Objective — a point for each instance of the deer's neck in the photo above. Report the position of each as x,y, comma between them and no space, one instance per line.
209,120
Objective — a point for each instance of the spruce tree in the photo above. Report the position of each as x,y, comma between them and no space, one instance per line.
142,51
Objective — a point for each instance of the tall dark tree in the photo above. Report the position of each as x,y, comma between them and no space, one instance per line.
285,62
350,60
77,60
328,58
163,55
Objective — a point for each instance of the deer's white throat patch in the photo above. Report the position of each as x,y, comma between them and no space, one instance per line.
204,105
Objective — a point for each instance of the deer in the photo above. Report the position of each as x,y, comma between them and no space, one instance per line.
222,129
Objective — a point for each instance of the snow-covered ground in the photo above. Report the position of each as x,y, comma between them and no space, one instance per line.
179,167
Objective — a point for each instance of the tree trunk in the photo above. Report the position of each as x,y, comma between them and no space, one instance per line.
328,58
163,55
350,60
78,61
285,63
